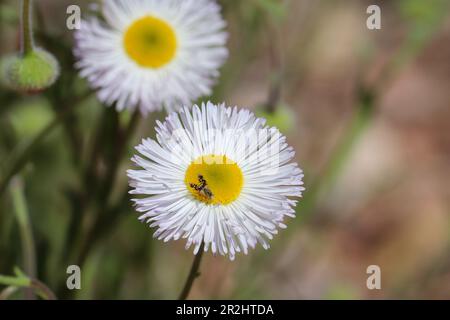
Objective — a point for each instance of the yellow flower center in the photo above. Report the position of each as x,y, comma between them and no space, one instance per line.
150,42
214,179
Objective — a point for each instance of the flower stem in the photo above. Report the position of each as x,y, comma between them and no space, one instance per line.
193,274
17,163
27,29
102,218
361,120
23,281
26,232
277,70
15,281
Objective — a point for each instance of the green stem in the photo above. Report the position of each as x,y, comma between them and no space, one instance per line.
27,29
102,215
103,199
26,232
361,120
20,157
18,162
193,274
15,281
24,282
341,154
277,68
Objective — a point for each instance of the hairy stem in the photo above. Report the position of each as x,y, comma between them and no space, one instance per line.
27,29
193,274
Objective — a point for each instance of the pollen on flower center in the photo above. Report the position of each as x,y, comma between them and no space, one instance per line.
214,179
150,42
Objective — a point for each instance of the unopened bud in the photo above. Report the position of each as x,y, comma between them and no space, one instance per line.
31,72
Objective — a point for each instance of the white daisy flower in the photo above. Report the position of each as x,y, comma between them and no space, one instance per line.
150,54
217,176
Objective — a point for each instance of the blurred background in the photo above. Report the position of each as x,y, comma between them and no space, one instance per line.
368,112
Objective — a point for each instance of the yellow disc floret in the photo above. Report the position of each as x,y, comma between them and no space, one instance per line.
150,42
214,179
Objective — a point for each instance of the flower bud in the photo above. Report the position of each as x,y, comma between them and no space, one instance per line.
31,72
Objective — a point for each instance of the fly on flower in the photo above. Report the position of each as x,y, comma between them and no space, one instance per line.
218,176
150,54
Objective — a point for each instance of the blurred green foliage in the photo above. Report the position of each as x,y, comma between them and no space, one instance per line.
423,13
30,117
282,118
275,8
66,177
423,17
8,14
